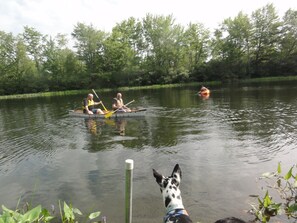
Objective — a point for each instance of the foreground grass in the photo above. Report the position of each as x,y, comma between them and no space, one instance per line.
85,91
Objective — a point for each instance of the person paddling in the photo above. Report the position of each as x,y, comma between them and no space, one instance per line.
89,105
204,91
119,104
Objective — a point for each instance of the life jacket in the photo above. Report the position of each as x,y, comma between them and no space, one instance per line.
90,104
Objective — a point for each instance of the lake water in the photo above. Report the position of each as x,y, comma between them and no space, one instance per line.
222,144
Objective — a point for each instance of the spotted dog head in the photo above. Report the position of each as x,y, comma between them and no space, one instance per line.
169,187
175,212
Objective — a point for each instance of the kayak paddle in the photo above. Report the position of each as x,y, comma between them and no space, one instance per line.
99,100
109,114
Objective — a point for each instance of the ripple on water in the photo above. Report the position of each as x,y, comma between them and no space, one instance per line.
41,139
253,136
260,136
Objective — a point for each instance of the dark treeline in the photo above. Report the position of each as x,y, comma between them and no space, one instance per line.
153,50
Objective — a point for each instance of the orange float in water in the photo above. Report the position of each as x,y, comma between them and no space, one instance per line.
204,92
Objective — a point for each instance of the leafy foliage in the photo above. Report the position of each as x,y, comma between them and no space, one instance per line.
286,187
151,50
42,215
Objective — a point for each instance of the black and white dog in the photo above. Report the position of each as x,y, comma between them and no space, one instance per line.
175,211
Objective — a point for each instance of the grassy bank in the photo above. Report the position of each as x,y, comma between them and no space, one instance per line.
198,84
269,79
85,91
41,94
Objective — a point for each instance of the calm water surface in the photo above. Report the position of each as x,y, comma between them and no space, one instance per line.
222,145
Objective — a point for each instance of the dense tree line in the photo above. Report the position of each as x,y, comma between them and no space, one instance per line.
151,50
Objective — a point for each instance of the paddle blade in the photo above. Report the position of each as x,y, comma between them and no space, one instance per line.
108,114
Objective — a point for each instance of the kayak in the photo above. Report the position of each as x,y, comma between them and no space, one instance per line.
133,113
205,93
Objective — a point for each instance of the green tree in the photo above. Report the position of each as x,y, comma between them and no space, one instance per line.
7,61
25,71
196,49
17,70
163,42
73,70
34,42
232,47
124,51
151,50
62,68
265,39
89,44
287,60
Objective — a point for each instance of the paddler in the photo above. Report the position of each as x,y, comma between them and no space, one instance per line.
118,104
89,106
204,91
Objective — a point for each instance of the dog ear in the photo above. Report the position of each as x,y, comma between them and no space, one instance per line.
177,170
158,176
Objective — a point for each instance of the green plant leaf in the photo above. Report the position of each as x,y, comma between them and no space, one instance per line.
14,214
267,200
264,219
77,211
17,216
68,212
289,174
5,209
279,169
46,215
260,202
275,206
292,208
94,215
33,214
6,218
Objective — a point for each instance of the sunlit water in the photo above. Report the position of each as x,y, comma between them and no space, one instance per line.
222,145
